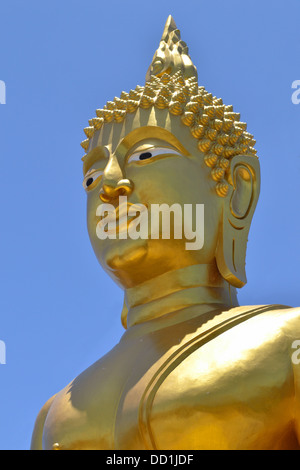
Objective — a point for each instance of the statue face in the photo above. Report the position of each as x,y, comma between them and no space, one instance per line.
171,143
155,163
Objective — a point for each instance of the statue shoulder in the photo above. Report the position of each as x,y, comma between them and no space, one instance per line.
293,316
292,326
282,320
37,435
239,361
288,319
284,317
235,336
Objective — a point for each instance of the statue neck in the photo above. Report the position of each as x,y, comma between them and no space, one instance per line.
171,292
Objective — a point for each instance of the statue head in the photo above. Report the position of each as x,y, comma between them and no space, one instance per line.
172,142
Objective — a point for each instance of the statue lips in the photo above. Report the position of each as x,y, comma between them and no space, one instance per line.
119,218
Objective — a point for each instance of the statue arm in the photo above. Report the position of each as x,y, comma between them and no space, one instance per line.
37,435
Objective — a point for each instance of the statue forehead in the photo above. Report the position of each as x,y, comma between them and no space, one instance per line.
141,125
149,125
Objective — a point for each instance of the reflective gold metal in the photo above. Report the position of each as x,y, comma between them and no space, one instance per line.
193,370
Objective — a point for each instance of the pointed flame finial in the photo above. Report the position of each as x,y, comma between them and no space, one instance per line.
172,55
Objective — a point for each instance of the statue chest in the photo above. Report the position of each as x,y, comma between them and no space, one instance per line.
89,413
170,391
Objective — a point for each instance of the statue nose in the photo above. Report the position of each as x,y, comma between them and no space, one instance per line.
112,190
114,184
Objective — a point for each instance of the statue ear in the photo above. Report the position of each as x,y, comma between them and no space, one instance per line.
238,209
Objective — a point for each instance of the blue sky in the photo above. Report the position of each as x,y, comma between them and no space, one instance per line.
60,61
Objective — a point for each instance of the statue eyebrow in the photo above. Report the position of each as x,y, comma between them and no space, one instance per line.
144,145
91,171
97,154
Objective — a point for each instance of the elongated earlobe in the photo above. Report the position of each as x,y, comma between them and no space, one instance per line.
238,209
124,314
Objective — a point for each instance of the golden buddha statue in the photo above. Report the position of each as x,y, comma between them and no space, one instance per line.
193,370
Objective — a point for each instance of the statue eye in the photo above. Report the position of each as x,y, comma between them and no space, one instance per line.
150,153
91,179
145,155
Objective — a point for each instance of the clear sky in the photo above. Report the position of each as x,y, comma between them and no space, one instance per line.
60,61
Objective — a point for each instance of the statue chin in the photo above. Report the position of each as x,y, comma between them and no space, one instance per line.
122,257
132,262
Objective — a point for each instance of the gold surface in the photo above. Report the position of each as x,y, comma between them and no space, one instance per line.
193,370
